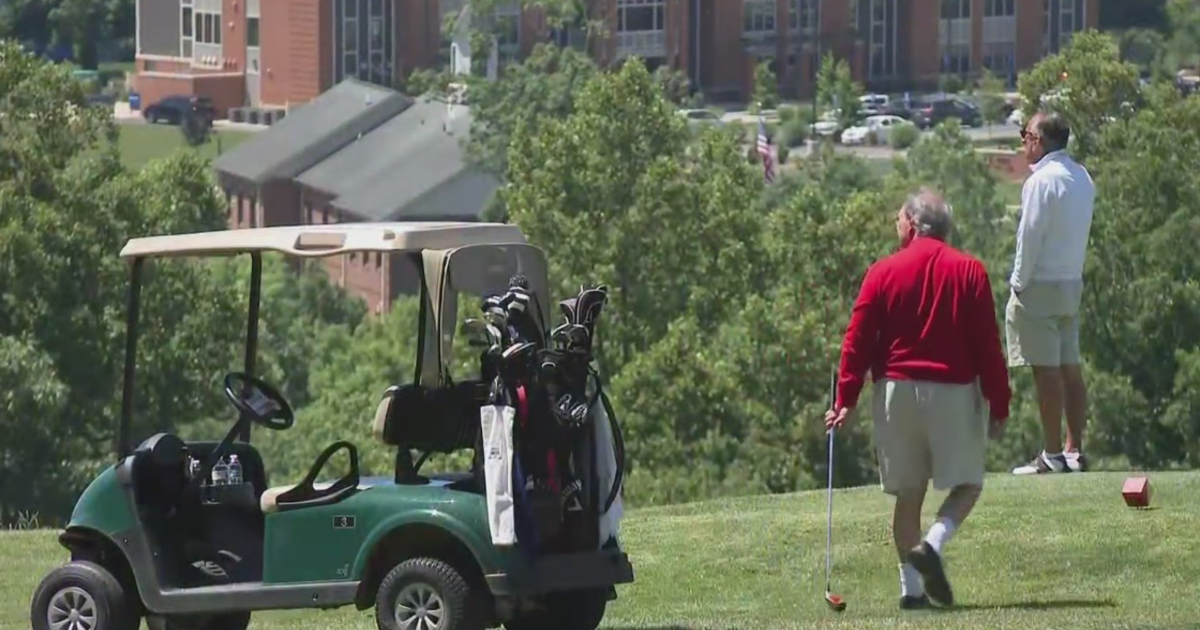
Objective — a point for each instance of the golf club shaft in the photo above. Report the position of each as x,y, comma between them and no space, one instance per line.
829,499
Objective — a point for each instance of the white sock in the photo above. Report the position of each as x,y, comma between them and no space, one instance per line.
940,533
910,581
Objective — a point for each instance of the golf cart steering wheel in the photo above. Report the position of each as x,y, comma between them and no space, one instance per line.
258,401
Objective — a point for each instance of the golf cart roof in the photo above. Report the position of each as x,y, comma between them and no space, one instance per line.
327,239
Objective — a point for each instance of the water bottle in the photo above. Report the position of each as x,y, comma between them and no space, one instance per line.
235,471
220,473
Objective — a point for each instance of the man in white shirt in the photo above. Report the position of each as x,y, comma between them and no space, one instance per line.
1042,316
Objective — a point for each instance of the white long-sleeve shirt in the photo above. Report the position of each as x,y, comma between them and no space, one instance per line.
1056,219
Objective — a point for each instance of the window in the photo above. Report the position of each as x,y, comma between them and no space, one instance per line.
186,22
955,9
641,15
252,31
803,15
955,36
881,38
208,27
759,15
999,8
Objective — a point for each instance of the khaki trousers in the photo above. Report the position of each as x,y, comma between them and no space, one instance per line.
929,431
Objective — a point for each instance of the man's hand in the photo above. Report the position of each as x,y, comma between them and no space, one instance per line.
835,419
995,428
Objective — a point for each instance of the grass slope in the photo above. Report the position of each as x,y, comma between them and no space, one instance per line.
1058,552
141,143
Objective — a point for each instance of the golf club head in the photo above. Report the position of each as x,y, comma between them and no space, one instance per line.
835,602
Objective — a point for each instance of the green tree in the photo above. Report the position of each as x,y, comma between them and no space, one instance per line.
542,88
66,208
766,88
1087,82
627,200
991,97
947,161
837,90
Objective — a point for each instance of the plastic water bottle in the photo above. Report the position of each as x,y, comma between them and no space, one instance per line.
220,473
235,471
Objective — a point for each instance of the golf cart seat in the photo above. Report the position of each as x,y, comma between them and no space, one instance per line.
305,494
431,420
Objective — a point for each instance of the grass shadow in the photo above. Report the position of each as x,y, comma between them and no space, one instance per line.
1035,605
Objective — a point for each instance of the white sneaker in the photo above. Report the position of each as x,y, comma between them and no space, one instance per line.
1076,461
1041,464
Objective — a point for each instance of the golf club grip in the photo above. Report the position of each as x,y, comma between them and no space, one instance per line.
833,388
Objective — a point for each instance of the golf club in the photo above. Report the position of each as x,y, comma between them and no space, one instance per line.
835,602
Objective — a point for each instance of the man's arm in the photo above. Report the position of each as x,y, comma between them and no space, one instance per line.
1031,232
989,357
858,345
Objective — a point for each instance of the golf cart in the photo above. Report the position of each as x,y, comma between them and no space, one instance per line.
159,535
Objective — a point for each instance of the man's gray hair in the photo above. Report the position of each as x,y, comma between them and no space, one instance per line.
929,213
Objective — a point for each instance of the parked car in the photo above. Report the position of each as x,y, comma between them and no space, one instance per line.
881,125
701,116
930,111
173,108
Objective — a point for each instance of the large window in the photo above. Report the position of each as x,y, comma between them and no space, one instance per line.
363,40
641,15
759,16
881,38
804,15
508,31
252,32
999,8
955,36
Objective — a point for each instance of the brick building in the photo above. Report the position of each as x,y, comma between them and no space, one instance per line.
274,53
358,152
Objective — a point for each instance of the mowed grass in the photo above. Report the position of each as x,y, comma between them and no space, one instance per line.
1056,552
141,143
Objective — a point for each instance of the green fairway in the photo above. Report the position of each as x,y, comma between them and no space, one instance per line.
142,143
1057,552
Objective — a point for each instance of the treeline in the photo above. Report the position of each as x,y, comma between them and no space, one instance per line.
729,296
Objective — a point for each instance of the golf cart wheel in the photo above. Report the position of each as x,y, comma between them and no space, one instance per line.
82,596
220,621
572,610
426,594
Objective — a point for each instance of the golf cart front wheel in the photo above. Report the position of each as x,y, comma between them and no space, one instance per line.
82,596
426,594
572,610
221,621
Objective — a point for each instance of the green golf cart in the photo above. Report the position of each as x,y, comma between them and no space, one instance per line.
160,536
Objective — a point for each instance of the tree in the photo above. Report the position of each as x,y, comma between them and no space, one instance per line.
766,88
991,97
947,161
837,90
1087,82
624,198
542,88
66,208
1142,295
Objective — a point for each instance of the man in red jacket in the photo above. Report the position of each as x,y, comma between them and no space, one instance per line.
924,324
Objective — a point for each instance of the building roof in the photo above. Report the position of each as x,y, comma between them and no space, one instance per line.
411,167
311,132
327,239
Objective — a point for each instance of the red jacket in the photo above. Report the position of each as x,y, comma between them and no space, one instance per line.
925,313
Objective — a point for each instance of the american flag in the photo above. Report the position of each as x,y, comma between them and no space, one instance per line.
764,149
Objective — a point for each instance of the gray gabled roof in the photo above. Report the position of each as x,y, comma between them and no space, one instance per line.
411,167
312,132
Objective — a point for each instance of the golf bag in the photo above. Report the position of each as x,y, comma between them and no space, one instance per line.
566,469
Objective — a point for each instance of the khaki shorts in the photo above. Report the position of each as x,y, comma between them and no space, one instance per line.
1041,325
929,431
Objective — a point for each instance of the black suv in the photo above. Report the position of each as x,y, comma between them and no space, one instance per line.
929,112
172,109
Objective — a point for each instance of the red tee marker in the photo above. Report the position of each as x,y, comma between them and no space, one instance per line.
1136,492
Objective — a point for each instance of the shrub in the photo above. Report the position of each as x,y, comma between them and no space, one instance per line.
904,136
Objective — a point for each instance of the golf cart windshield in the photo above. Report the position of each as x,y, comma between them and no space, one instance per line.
468,274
